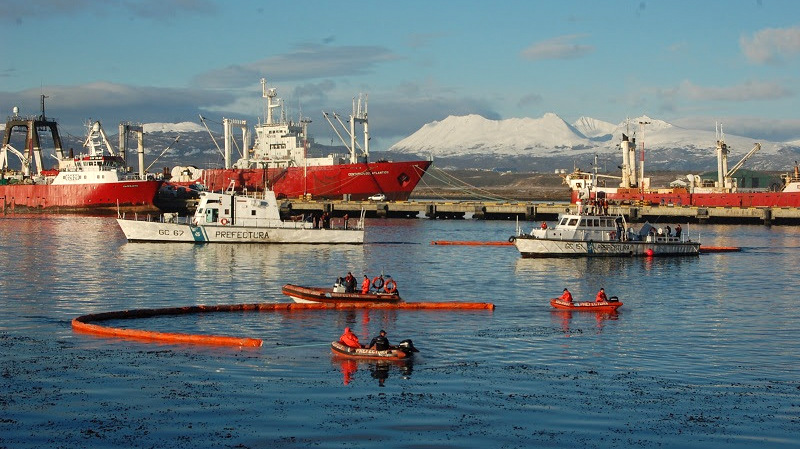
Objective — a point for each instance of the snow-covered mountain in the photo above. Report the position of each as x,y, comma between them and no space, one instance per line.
550,141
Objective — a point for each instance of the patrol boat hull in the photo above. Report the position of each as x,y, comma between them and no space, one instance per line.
587,235
155,231
231,217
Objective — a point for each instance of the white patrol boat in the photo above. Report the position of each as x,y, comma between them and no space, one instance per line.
577,235
237,218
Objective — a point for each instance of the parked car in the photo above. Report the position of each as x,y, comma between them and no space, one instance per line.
377,197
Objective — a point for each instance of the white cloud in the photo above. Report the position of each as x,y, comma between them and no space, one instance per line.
770,45
562,47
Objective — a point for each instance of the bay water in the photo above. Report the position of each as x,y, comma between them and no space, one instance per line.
703,354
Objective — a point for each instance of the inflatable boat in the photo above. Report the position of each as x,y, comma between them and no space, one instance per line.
402,351
611,305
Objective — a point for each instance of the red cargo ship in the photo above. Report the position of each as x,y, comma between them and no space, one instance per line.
723,192
94,182
279,160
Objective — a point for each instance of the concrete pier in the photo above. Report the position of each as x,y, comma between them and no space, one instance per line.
532,211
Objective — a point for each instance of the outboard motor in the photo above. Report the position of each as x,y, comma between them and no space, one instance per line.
613,299
407,346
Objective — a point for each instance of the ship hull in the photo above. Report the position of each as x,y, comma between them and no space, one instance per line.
396,180
681,197
530,247
133,196
153,231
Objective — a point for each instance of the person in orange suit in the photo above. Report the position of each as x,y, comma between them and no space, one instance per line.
601,296
365,285
566,296
349,338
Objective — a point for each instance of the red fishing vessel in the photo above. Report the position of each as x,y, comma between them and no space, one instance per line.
97,181
278,160
724,192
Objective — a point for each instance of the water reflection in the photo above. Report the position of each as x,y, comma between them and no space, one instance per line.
564,318
378,369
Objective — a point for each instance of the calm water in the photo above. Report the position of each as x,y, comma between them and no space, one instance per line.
704,353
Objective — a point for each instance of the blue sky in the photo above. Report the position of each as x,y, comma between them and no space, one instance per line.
691,63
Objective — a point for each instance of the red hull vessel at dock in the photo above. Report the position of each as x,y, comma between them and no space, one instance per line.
98,181
132,196
394,179
278,160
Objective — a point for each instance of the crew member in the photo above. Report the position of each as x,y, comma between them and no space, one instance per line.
544,225
365,285
380,343
601,296
348,338
566,296
349,283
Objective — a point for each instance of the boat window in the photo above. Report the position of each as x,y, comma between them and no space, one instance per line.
573,221
563,222
211,215
227,211
253,212
588,222
597,222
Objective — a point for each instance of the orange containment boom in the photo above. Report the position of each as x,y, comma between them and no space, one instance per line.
469,243
83,324
719,249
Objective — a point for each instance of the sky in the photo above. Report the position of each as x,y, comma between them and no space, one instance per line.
691,63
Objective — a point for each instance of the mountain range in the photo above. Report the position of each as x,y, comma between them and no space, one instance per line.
539,144
550,142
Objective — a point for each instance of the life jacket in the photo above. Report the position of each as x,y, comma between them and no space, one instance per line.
381,343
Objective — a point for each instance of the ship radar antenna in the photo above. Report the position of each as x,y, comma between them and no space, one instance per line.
269,94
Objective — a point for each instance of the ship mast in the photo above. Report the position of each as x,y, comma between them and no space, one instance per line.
359,116
628,147
722,157
641,161
269,94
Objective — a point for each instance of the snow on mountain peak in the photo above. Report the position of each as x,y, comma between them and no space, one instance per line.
591,127
183,127
474,134
551,136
